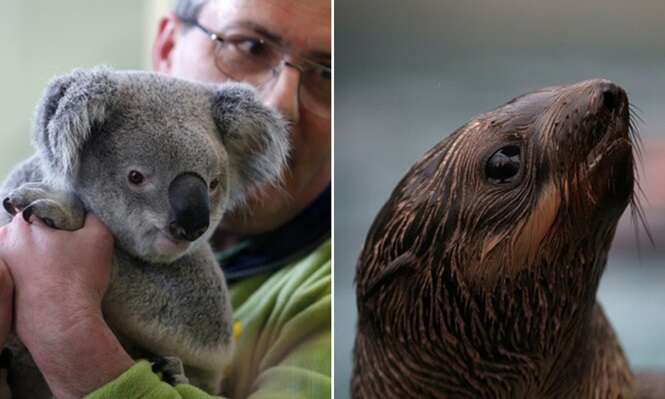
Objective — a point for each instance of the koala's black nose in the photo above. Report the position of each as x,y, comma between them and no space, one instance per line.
190,206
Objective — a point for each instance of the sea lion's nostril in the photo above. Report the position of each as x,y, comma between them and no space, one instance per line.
610,97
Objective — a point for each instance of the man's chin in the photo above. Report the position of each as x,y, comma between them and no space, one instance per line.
263,212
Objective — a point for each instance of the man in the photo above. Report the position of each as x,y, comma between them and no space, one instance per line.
276,256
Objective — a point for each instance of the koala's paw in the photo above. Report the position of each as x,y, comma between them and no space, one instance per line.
57,209
171,369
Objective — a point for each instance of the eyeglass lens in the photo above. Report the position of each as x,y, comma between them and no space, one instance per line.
251,59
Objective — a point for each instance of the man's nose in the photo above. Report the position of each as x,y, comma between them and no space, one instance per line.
283,93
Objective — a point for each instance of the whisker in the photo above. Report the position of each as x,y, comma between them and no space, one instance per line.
638,216
636,138
636,111
638,219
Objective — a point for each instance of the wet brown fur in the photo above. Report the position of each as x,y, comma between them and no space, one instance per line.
467,289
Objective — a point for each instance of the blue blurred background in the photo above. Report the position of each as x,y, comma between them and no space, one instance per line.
409,73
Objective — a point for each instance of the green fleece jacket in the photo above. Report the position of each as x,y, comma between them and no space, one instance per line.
283,340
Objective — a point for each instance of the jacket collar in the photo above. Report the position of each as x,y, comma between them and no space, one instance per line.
269,251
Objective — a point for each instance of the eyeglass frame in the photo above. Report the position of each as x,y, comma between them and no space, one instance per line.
276,70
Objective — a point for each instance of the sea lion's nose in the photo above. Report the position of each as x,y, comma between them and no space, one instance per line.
611,95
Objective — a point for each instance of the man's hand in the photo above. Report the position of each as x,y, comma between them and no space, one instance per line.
60,278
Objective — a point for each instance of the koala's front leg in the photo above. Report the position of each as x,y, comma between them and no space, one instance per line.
56,208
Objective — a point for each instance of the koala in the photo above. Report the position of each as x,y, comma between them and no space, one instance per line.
159,161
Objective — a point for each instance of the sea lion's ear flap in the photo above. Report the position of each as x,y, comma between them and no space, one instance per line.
71,109
398,267
255,137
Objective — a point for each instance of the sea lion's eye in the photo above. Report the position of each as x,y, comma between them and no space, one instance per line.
504,165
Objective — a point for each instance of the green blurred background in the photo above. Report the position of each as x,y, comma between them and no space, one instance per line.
409,73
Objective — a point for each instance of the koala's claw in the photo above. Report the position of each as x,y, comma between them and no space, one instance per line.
27,212
52,214
56,208
9,207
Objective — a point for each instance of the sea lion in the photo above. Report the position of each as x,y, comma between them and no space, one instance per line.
478,277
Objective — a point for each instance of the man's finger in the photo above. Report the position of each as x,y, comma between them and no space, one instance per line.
94,226
19,225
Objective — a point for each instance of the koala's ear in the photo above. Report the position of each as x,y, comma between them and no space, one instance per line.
256,139
72,107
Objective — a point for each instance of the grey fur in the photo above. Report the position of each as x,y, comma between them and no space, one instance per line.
94,126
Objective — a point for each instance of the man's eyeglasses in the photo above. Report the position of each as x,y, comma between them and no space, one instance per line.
256,60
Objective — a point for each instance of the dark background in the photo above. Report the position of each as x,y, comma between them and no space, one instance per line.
409,73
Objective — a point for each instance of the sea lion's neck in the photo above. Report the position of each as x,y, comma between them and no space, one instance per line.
528,336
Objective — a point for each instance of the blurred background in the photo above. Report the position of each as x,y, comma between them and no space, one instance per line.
409,73
42,39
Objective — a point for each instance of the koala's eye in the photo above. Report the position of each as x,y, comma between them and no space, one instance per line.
504,165
214,184
135,177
